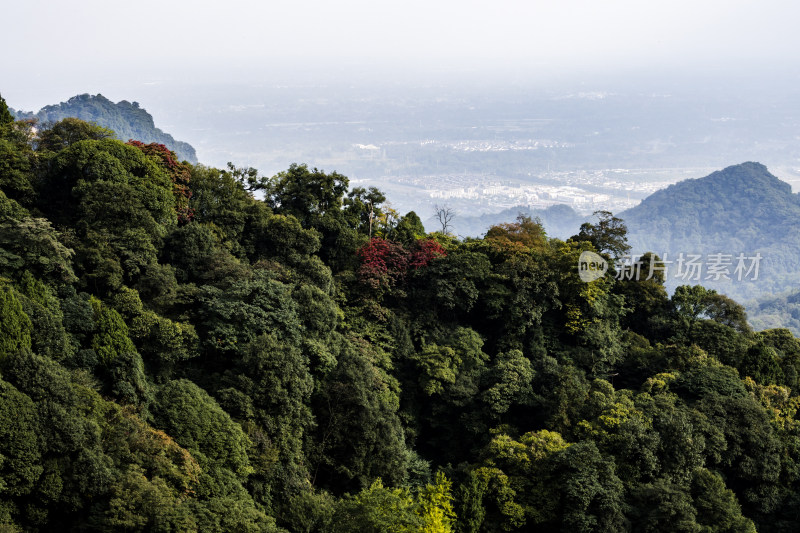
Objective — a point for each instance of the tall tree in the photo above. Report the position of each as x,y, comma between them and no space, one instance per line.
609,234
306,194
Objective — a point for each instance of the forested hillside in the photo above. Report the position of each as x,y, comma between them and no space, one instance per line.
126,119
185,348
778,311
741,209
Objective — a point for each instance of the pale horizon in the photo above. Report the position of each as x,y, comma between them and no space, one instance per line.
71,48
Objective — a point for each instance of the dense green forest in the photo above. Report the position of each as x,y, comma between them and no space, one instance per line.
126,120
185,348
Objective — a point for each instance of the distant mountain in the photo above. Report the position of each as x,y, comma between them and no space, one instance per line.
560,221
127,119
741,209
780,312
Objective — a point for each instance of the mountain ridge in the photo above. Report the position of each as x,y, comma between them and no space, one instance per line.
768,200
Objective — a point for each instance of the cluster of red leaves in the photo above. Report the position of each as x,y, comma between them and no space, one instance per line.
179,173
384,263
425,251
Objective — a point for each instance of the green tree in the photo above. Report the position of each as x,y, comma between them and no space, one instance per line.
68,131
271,385
609,234
727,312
16,170
247,309
198,255
690,304
141,504
717,506
524,235
15,325
359,435
695,302
20,453
362,207
219,199
377,509
469,498
306,194
435,506
100,172
510,378
408,229
5,115
111,335
663,506
40,303
198,423
33,244
762,363
642,285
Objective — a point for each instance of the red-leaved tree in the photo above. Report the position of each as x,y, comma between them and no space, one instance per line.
424,251
385,263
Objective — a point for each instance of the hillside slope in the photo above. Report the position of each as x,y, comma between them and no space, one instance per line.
179,354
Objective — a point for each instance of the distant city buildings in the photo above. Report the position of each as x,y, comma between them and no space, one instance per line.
493,194
583,190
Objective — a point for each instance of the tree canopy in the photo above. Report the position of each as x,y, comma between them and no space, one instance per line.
186,348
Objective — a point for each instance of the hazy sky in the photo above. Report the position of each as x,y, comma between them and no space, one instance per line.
54,46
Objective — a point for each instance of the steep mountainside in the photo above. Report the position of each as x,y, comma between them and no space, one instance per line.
127,119
780,312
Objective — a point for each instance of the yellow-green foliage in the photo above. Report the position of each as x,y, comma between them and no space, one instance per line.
613,409
514,475
435,506
659,382
438,366
532,446
779,403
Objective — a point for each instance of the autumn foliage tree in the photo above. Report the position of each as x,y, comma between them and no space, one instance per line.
385,263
